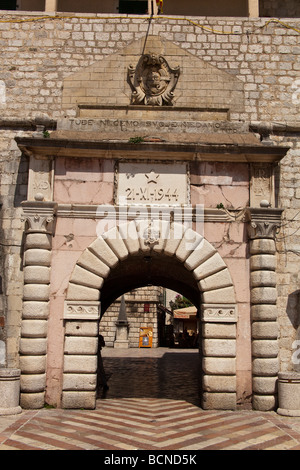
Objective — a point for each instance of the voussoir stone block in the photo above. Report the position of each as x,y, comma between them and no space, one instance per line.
77,292
225,295
86,278
201,253
129,234
220,279
175,236
115,242
211,266
188,244
93,264
101,249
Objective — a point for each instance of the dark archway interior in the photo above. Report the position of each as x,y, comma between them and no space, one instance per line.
149,269
173,374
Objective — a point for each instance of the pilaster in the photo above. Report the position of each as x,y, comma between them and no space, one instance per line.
263,224
39,217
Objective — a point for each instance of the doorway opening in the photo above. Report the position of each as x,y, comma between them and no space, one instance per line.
133,7
161,358
131,256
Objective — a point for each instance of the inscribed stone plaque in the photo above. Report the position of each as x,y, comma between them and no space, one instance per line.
152,183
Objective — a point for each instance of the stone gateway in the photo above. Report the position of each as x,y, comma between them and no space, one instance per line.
162,155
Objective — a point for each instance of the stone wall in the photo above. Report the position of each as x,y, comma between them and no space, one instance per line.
136,315
38,55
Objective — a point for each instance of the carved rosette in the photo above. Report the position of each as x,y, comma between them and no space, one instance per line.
153,81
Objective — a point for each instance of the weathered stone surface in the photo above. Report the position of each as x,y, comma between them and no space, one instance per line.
81,345
33,346
92,263
265,348
80,363
219,365
219,383
219,401
264,330
265,367
101,249
79,382
78,399
34,328
33,382
219,347
81,328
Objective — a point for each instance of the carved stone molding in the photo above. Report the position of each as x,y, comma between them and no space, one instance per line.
223,313
82,310
153,81
39,216
263,222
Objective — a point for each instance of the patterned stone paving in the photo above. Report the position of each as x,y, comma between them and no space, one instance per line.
133,424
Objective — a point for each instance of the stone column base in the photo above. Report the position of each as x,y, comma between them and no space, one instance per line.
10,392
289,394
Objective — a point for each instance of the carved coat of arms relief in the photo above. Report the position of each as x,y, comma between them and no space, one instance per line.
153,81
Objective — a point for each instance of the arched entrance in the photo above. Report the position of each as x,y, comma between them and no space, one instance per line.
133,255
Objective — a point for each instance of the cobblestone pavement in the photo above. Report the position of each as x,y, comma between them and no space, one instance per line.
151,405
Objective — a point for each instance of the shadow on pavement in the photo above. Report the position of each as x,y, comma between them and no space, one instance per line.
174,376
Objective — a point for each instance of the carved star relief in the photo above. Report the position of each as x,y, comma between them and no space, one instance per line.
152,177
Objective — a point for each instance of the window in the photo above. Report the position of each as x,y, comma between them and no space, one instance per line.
133,6
8,5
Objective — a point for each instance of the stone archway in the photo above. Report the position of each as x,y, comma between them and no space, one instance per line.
206,274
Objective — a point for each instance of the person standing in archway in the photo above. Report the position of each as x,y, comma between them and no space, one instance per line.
101,376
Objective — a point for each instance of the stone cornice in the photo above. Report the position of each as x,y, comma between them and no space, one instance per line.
184,151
